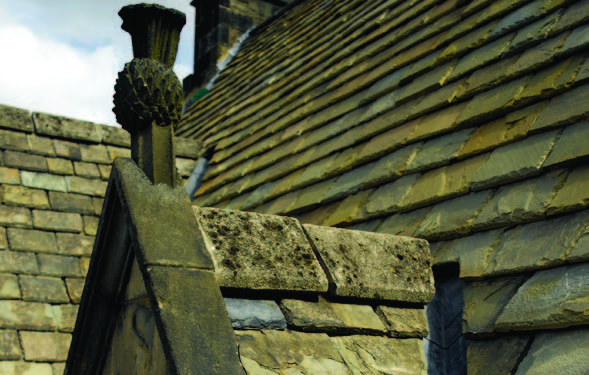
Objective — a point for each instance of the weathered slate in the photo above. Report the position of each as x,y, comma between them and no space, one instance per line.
31,316
16,118
571,146
254,314
373,265
63,127
404,322
495,356
573,195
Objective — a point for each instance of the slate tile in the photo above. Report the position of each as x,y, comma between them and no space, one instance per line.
474,39
63,127
40,145
551,80
520,17
488,77
74,244
11,140
104,171
19,217
3,241
89,170
537,57
323,316
26,315
21,196
17,262
75,287
532,33
550,349
573,195
577,41
43,289
81,185
94,154
9,176
116,136
439,151
496,356
387,198
404,322
22,367
388,141
367,226
520,202
9,345
570,147
391,166
69,202
573,16
254,314
43,181
45,346
515,161
435,100
310,197
315,217
9,288
349,183
65,316
97,205
563,110
60,166
31,240
114,152
90,225
350,209
536,245
57,265
57,221
426,83
25,161
453,217
16,118
67,150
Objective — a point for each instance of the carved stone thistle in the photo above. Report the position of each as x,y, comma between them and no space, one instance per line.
148,95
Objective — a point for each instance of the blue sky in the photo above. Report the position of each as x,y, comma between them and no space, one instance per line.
62,56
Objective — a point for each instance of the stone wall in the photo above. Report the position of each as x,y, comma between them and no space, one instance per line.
53,176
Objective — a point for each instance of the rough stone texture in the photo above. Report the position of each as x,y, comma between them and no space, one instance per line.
90,225
515,161
25,368
57,221
43,181
9,288
536,245
65,316
60,266
89,170
3,240
439,151
519,202
573,195
15,118
32,240
259,251
74,244
43,289
62,127
30,316
570,146
372,354
452,217
15,217
495,356
374,265
9,345
484,301
86,186
323,316
66,202
67,150
9,176
13,141
75,287
94,154
404,322
20,196
553,351
60,166
273,352
24,161
45,346
554,298
17,262
40,145
256,314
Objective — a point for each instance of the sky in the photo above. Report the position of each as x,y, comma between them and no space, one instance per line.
62,56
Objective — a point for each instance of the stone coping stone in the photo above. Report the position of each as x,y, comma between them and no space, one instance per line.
374,265
254,314
63,127
15,118
260,252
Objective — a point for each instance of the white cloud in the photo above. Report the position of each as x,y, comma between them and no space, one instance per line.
63,59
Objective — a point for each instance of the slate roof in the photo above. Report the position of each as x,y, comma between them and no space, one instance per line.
463,123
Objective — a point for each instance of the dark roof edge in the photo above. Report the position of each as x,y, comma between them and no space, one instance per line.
274,17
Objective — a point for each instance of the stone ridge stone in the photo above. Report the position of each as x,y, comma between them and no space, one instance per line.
260,252
374,265
15,118
63,127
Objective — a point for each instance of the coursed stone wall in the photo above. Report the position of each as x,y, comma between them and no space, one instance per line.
53,176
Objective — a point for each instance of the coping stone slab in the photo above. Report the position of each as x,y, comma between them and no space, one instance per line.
15,118
374,265
262,252
57,126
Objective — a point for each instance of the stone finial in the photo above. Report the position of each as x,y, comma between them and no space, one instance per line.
148,95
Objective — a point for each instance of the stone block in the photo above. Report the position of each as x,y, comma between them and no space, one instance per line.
350,209
554,298
537,245
387,198
571,146
515,161
25,161
443,183
104,171
11,140
116,136
9,176
520,202
495,356
18,217
25,368
9,288
63,127
374,265
60,166
259,251
562,110
75,287
403,224
484,300
68,202
67,150
30,316
40,145
86,186
274,352
95,154
90,225
74,244
65,316
15,118
43,289
45,346
439,151
97,205
21,196
472,252
254,314
57,265
373,354
553,351
323,316
452,218
16,262
404,322
57,221
88,170
9,345
43,181
118,152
